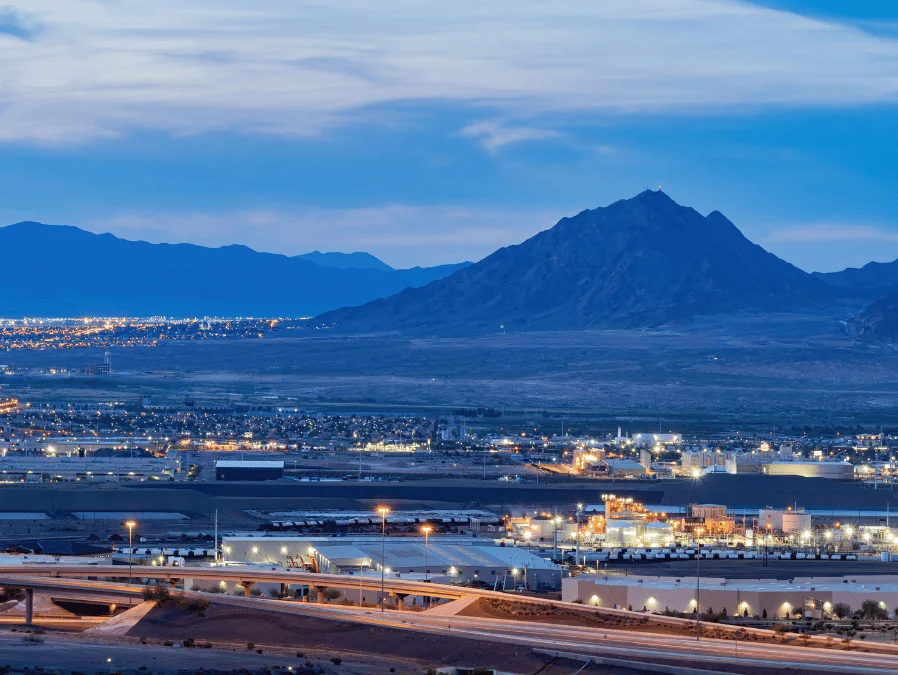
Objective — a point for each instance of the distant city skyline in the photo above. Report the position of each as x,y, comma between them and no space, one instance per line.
438,133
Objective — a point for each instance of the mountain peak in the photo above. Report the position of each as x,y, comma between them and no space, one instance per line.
640,262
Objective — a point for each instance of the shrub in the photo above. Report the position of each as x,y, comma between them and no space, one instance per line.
871,611
331,594
336,660
300,655
189,642
194,605
168,643
841,609
250,646
160,594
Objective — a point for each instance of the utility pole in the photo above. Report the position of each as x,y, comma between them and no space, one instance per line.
698,577
579,511
383,511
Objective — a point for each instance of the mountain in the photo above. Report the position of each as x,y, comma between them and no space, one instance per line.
878,321
640,262
346,261
872,281
53,270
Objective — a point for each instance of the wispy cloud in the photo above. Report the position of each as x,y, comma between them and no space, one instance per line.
402,235
493,135
830,233
284,67
17,24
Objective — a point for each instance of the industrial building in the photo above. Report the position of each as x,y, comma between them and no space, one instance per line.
229,469
41,469
807,596
440,559
787,521
772,464
811,469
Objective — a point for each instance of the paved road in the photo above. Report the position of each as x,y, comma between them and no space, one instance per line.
707,653
67,652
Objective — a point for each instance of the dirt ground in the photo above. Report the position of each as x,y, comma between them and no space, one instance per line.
519,611
490,608
406,651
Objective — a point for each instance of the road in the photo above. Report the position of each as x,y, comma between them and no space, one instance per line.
637,646
706,653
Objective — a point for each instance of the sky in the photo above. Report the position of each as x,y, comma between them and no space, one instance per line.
429,133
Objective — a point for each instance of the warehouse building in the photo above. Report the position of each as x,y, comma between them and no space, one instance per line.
440,559
236,470
806,596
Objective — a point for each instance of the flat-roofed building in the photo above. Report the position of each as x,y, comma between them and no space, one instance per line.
441,559
811,596
231,469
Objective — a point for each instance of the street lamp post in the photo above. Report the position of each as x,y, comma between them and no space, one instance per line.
698,577
130,525
557,522
577,557
383,511
427,529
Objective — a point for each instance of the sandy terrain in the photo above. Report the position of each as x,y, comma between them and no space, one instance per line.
745,370
227,626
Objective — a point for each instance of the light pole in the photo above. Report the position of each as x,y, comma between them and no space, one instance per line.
383,511
698,561
528,535
557,522
427,529
130,525
577,557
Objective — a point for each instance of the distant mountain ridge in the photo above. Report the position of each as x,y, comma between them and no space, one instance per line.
870,282
345,261
60,270
640,262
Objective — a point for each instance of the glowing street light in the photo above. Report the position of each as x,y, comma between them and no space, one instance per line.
427,529
130,525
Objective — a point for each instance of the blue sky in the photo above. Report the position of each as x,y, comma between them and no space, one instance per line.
434,132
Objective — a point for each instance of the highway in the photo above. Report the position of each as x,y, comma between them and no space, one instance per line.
710,654
706,653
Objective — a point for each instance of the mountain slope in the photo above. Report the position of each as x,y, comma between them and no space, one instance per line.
640,262
878,321
346,261
872,281
53,270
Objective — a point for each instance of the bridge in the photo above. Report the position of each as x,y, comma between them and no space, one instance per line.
108,579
